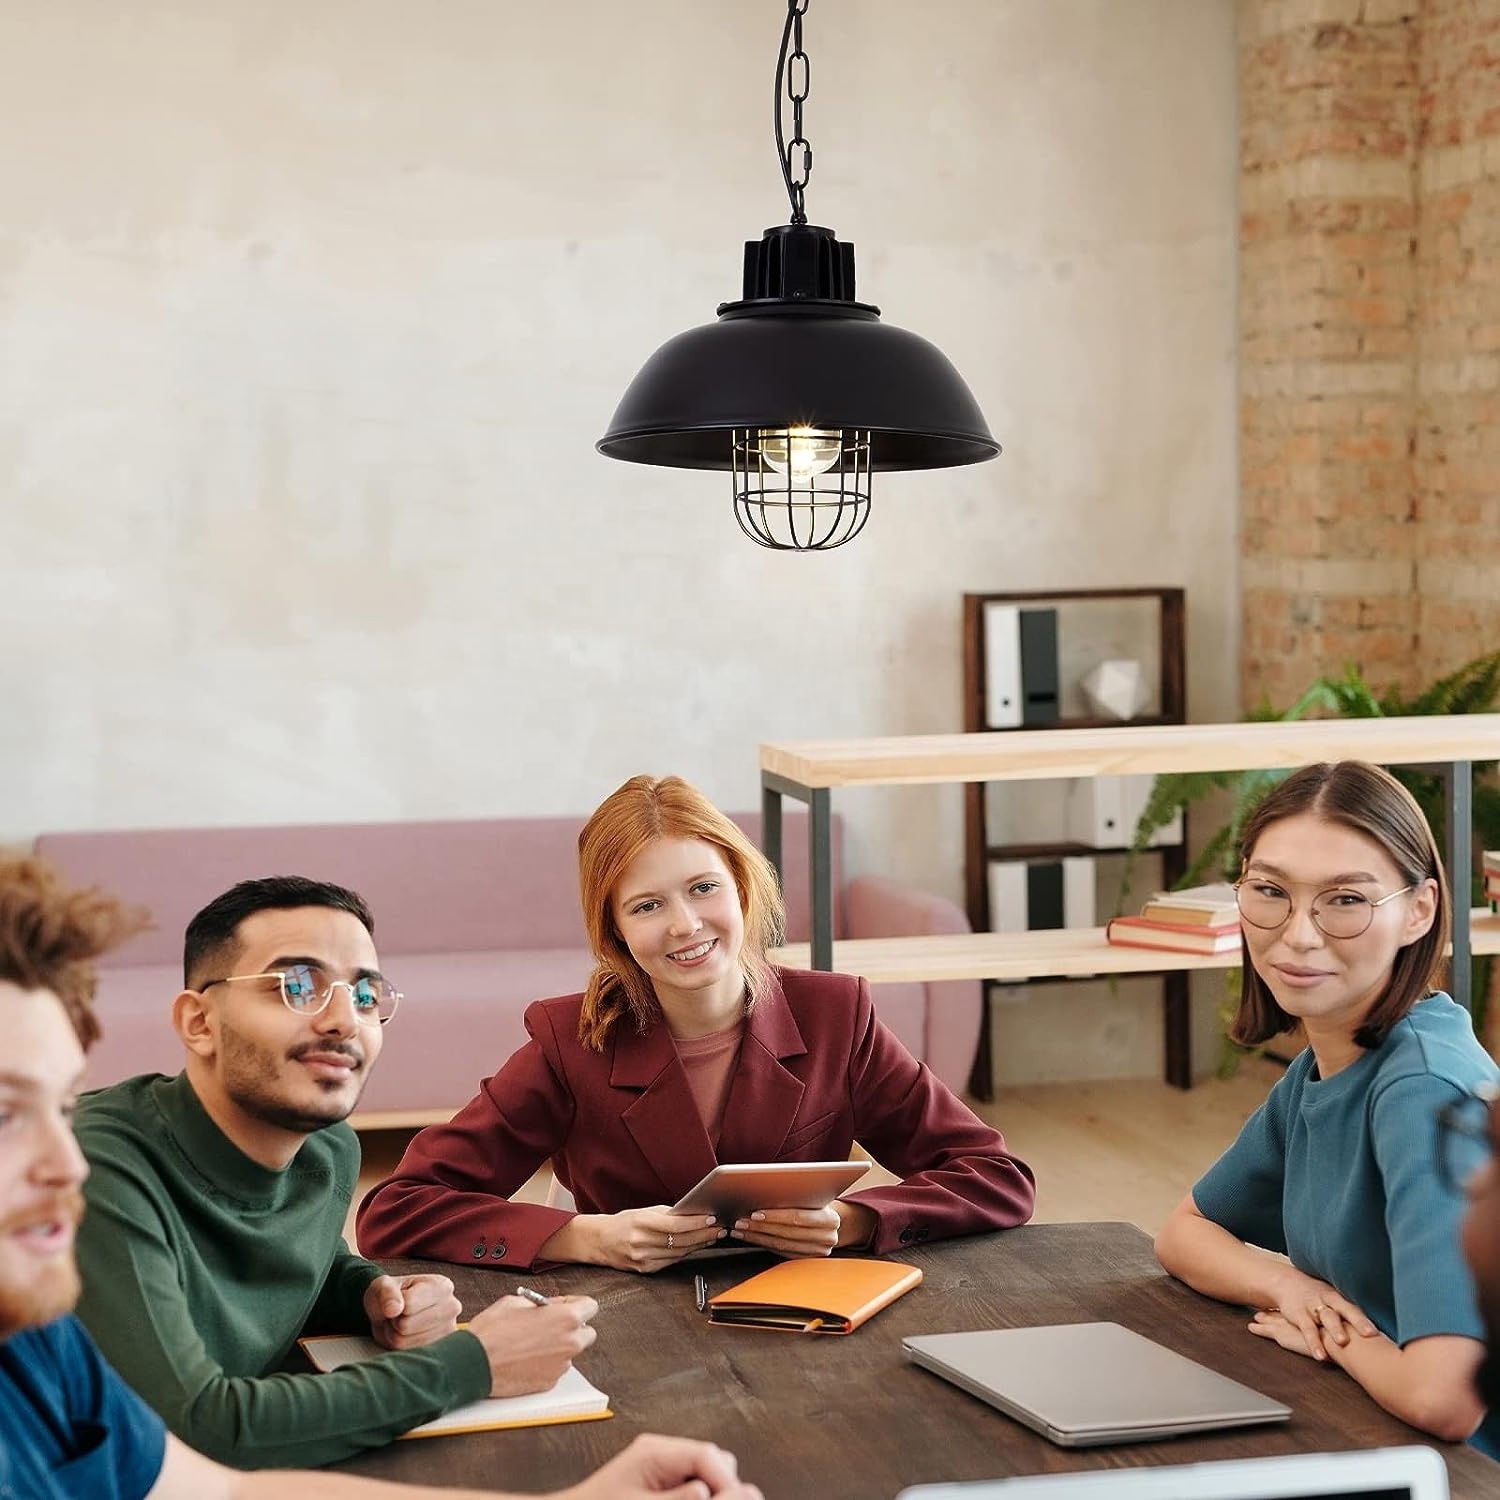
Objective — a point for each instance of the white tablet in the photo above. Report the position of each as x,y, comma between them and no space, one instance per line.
1365,1474
730,1192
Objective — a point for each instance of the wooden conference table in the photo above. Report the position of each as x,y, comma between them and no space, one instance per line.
846,1418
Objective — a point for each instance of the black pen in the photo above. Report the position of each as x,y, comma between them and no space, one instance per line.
532,1296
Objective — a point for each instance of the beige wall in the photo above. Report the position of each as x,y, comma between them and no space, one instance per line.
310,314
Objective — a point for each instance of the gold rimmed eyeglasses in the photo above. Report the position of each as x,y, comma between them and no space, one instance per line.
1338,912
308,991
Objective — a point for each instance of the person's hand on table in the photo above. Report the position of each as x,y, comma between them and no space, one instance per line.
806,1231
636,1239
528,1346
1308,1314
406,1311
675,1467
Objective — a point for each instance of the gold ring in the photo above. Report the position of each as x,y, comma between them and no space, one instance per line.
671,1241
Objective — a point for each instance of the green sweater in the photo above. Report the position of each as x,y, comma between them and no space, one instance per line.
201,1268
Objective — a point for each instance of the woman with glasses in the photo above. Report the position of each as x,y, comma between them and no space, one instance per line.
1344,908
687,1050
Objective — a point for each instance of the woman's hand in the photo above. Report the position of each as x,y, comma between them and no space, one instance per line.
637,1239
1309,1314
808,1231
1277,1326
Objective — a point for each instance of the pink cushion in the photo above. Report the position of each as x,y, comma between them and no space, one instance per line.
434,887
474,920
949,1014
460,1018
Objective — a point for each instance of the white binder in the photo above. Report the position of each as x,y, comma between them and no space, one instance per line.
1003,703
1103,811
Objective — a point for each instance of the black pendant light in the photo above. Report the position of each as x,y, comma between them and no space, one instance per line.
798,390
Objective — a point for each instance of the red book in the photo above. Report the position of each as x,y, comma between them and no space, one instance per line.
1174,937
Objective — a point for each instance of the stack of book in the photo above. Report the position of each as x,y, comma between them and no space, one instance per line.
1201,919
1492,878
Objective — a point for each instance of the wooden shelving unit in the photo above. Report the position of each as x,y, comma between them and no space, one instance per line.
1167,705
810,770
1072,953
1154,622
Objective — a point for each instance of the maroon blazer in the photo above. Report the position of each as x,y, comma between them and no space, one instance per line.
816,1072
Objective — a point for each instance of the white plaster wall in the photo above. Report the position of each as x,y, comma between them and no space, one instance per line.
312,310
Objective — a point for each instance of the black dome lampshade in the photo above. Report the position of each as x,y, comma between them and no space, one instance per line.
798,390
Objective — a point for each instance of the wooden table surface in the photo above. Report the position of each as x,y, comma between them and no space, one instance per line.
846,1418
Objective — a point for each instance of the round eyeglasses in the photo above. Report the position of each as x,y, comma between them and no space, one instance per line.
1464,1143
1339,912
307,991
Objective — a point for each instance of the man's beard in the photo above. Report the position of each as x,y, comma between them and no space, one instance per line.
251,1076
52,1289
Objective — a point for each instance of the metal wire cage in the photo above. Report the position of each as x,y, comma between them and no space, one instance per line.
801,489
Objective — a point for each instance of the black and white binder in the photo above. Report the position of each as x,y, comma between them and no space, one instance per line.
1021,678
1041,894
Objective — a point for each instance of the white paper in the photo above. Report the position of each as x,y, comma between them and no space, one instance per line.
573,1396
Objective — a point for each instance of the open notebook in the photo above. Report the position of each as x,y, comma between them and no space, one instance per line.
573,1399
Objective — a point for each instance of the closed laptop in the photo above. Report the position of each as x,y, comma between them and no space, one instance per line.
1082,1384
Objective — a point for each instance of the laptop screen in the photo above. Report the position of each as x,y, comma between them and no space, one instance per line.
1411,1473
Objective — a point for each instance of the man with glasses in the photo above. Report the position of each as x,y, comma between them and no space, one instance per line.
217,1200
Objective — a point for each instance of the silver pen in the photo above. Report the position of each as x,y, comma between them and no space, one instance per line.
532,1296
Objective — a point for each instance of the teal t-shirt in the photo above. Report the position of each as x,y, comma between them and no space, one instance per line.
201,1268
1340,1175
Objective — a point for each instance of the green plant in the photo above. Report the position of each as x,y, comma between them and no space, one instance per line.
1472,688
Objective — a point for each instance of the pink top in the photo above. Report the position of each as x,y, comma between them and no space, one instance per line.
709,1064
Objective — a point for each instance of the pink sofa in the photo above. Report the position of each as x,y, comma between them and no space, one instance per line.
473,921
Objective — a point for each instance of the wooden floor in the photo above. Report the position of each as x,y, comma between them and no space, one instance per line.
1124,1150
1119,1150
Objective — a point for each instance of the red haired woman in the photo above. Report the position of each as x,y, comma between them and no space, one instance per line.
689,1049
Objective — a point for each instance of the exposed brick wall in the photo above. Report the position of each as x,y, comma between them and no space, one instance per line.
1458,321
1370,338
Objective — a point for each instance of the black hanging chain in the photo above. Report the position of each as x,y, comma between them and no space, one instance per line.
794,71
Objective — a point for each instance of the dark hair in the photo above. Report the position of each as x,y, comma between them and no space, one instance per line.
211,939
51,934
1369,801
631,817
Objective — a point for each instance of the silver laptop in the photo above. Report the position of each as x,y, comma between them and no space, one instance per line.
1080,1384
1371,1474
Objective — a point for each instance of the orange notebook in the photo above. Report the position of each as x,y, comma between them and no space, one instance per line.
833,1295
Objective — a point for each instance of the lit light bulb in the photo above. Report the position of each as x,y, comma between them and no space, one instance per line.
800,452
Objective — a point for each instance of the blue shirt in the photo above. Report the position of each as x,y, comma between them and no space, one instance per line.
69,1426
1340,1175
